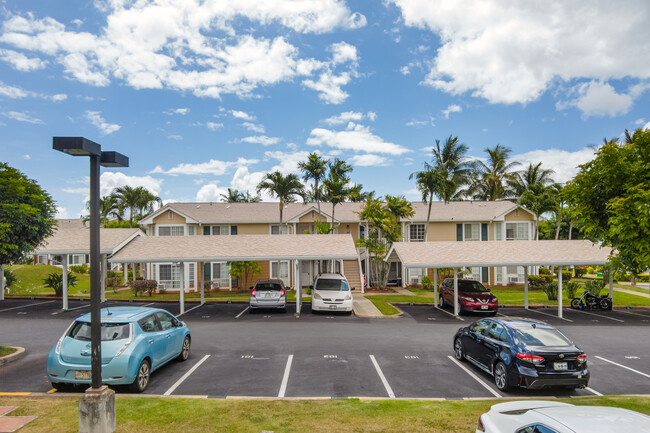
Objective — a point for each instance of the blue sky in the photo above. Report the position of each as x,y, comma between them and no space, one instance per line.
206,95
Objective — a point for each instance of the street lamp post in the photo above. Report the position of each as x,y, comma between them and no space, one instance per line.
79,146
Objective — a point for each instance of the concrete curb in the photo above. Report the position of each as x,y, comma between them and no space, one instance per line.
18,354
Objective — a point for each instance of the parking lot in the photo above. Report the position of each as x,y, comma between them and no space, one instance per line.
236,354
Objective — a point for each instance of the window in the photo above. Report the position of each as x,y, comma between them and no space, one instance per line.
415,275
362,231
472,232
276,229
517,231
280,270
169,275
170,215
171,231
515,274
498,228
220,274
416,233
191,230
109,331
220,230
76,259
497,332
191,271
479,327
149,324
166,321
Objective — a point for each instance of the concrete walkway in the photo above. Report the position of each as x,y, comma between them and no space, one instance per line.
362,307
632,292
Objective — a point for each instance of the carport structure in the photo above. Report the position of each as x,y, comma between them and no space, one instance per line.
73,239
456,255
241,248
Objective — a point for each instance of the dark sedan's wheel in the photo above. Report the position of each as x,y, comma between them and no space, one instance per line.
501,376
459,352
185,351
575,303
142,377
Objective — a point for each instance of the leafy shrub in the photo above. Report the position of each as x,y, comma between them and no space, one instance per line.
580,272
572,288
55,281
643,278
591,270
622,276
113,274
207,288
9,275
426,282
538,281
113,281
594,286
566,276
551,290
544,271
80,269
142,286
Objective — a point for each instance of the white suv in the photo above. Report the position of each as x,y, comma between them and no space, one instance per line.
331,293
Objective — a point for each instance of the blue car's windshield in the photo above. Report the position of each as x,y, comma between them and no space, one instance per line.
332,284
110,331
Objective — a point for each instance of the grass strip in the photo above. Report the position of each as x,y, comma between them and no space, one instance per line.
4,351
153,415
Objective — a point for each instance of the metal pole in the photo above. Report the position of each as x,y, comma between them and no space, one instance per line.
2,283
95,276
611,285
183,279
559,292
435,287
526,287
104,261
202,281
65,283
456,306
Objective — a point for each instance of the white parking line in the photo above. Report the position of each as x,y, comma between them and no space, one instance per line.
285,378
389,390
25,306
150,303
634,314
71,309
623,366
600,315
593,391
475,377
185,376
451,314
551,315
187,311
239,315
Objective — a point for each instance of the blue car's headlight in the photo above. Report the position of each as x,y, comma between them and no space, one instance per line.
128,341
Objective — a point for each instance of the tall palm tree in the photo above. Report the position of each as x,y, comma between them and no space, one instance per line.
232,196
285,188
452,166
146,200
127,198
340,168
539,198
531,175
314,169
336,190
427,182
358,195
491,180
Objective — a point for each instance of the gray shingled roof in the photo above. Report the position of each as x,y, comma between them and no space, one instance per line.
72,237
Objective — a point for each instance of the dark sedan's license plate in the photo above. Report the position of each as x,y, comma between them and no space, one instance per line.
560,366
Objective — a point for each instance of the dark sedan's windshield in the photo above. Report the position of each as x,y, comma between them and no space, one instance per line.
110,331
332,284
541,336
471,286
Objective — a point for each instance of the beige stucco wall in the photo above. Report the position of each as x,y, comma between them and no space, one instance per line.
353,229
163,218
523,216
310,217
253,229
441,231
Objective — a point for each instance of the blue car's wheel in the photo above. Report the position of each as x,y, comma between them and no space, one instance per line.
142,377
185,350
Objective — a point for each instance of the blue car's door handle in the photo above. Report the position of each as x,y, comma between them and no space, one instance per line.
151,341
168,336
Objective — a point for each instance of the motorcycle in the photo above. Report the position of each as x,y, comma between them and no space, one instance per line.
591,302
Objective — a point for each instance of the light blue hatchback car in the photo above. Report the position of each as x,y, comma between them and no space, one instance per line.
135,342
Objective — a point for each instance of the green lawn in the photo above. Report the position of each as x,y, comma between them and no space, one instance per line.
29,281
154,415
4,351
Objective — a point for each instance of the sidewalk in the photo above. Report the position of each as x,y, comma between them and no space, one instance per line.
362,307
632,292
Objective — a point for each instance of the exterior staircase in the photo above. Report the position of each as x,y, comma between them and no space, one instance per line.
351,272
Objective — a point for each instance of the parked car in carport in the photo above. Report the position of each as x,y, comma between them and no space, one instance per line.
522,353
269,293
135,341
472,296
331,293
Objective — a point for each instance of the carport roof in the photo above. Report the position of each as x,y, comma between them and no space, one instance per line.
75,239
498,253
237,248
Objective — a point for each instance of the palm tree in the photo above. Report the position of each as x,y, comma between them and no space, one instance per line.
427,182
539,198
492,179
531,175
336,190
314,169
145,201
452,166
233,196
340,168
285,188
248,198
358,195
127,198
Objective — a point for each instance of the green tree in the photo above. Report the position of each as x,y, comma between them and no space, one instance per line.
427,182
284,188
610,199
539,199
336,191
55,281
26,214
491,179
314,169
128,198
145,201
452,166
232,196
531,175
245,271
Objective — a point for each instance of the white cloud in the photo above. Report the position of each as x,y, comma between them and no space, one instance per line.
104,127
181,111
513,52
22,117
358,138
27,157
422,122
453,108
288,162
21,62
243,180
329,84
213,167
185,45
598,99
350,116
646,126
61,213
210,192
113,179
369,160
242,115
175,137
405,70
261,139
564,163
59,97
640,121
255,127
213,126
18,93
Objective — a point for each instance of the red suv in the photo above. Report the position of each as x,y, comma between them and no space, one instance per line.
472,296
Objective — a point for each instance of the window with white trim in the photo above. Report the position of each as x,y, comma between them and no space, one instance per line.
171,231
280,270
472,232
169,275
220,230
516,231
277,229
191,230
362,231
415,275
498,231
416,233
220,274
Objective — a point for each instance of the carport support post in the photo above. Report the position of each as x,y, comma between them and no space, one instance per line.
526,287
456,306
104,274
64,282
202,282
611,284
559,292
125,274
298,287
182,297
435,287
2,283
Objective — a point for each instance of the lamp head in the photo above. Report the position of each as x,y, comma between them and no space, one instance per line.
114,159
76,146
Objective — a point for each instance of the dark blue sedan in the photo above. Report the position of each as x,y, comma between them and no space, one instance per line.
135,342
522,353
